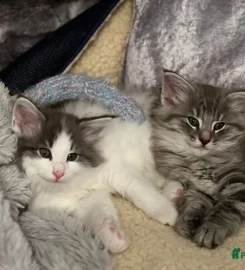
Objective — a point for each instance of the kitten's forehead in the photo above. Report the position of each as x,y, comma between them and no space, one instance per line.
208,103
61,147
58,129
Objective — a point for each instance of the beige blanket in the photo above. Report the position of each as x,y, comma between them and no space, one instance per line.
154,246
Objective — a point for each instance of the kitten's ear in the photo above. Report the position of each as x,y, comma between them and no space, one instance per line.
26,118
236,101
175,89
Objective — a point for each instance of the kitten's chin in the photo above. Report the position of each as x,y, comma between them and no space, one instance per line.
201,151
48,182
55,181
198,150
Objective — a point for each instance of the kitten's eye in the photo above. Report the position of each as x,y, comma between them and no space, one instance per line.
72,157
218,126
45,153
193,122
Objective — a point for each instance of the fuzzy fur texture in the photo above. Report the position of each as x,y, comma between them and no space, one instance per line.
15,252
18,235
23,23
74,165
64,243
200,132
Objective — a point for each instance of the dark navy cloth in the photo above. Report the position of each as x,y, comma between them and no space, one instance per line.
56,52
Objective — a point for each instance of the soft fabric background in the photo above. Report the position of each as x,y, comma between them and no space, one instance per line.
155,246
202,40
25,22
102,58
54,53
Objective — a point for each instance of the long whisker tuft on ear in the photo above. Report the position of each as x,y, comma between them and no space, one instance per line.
26,118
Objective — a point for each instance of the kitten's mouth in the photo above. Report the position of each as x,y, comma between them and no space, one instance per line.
201,147
57,181
52,180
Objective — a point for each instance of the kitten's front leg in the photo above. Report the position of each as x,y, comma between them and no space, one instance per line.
227,215
173,190
220,223
143,194
192,208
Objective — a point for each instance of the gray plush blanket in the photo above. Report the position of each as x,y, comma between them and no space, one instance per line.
202,40
44,239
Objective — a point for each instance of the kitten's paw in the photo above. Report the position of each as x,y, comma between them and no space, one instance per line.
190,218
166,214
173,190
187,224
113,237
210,235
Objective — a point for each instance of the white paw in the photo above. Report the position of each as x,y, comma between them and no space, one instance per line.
167,213
159,208
173,190
113,237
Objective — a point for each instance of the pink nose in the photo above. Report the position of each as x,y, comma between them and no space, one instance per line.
58,174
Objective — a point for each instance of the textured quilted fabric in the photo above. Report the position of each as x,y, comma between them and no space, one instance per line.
73,86
154,246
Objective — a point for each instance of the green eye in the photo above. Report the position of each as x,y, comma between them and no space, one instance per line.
193,122
45,153
72,157
219,126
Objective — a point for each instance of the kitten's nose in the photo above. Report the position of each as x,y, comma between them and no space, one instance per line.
58,174
204,142
205,137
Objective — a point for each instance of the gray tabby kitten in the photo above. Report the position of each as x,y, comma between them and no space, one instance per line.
199,140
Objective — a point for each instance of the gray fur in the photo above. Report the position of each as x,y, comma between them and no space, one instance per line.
29,247
25,22
8,139
61,242
15,252
212,206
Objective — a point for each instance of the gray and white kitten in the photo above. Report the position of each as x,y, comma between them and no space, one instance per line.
199,140
74,161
